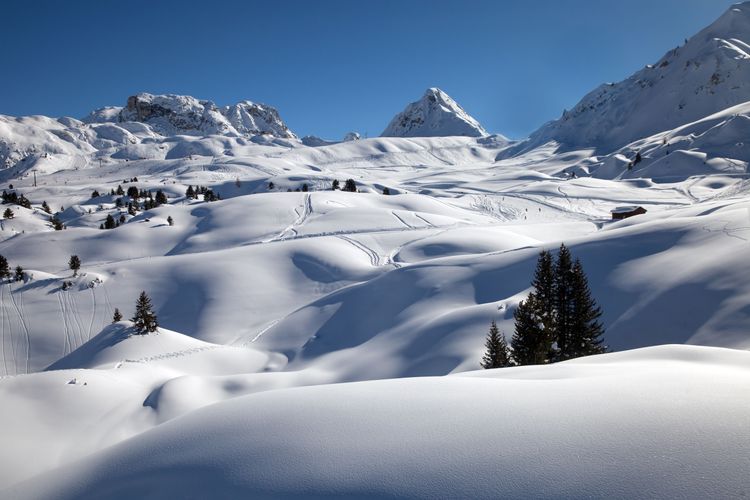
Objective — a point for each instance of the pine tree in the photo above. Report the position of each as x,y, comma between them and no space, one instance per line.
335,185
75,264
529,343
119,191
496,355
145,320
350,186
95,194
563,300
170,220
57,223
386,191
8,214
109,222
4,268
117,316
161,198
544,292
190,193
20,275
305,188
271,186
46,208
586,330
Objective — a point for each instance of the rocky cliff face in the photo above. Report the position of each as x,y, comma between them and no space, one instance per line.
185,115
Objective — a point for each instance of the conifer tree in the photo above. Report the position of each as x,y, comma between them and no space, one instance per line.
586,330
8,214
190,193
46,208
117,316
170,220
119,191
544,292
109,222
496,355
563,300
19,274
350,186
145,320
335,185
75,264
4,268
529,343
161,198
386,191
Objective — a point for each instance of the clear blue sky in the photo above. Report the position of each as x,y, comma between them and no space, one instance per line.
334,66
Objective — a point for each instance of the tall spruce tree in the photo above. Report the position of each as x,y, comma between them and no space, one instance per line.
530,343
586,330
496,355
145,319
563,301
544,291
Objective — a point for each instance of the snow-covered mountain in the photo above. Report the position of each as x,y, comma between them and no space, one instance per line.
434,115
707,74
177,114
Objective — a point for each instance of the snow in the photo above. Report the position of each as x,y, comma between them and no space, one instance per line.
479,435
323,343
435,114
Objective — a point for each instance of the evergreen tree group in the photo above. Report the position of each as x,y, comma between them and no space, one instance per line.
559,319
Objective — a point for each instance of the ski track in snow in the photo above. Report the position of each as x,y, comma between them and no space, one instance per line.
402,221
371,254
22,325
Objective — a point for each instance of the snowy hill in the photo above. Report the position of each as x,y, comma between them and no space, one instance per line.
434,115
707,74
666,422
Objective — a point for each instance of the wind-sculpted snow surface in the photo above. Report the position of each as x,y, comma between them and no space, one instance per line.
666,422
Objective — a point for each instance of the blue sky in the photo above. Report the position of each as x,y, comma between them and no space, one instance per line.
334,66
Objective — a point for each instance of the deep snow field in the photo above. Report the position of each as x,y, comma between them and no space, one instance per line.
327,343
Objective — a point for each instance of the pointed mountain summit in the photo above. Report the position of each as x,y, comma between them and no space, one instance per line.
708,73
434,115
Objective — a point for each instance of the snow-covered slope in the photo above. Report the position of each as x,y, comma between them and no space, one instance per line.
434,115
668,422
707,74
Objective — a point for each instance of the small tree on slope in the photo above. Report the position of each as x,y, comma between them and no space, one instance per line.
75,264
145,320
4,268
117,316
496,355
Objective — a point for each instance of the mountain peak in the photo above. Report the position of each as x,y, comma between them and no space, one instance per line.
435,114
708,73
172,114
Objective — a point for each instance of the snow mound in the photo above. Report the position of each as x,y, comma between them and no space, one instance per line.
434,115
118,343
667,422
